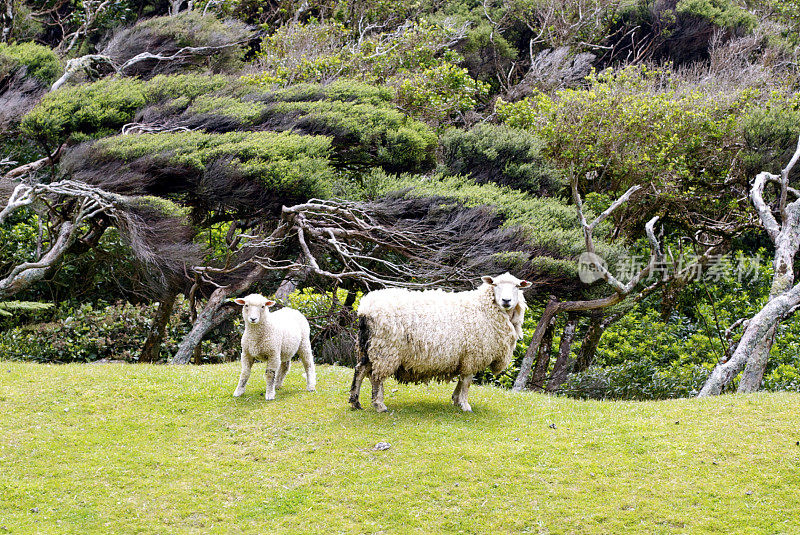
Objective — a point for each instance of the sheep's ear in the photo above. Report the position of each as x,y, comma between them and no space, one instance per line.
239,301
487,279
269,302
524,284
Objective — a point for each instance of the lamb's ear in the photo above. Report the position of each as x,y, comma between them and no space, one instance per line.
524,284
269,302
239,301
487,279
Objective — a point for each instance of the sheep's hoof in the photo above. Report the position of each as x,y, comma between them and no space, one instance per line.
356,405
380,407
466,407
269,397
312,388
238,393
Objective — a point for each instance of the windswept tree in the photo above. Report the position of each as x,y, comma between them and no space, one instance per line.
781,220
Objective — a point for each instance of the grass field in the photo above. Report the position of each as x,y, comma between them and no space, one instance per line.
155,449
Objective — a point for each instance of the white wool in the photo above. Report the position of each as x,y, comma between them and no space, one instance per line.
419,336
274,337
437,334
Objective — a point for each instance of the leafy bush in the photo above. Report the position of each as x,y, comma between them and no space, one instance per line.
637,380
281,163
644,356
634,127
770,137
187,86
91,110
42,63
364,134
500,154
441,94
721,13
88,332
321,52
333,325
550,226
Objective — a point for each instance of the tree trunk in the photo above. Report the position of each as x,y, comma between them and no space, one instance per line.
590,342
290,282
782,281
533,349
152,346
211,316
28,273
543,358
758,327
7,18
563,363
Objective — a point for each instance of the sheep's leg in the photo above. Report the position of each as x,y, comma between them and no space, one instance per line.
377,393
456,392
247,365
282,371
362,369
307,358
273,363
462,389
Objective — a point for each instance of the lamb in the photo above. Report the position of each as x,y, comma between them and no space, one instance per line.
419,336
274,337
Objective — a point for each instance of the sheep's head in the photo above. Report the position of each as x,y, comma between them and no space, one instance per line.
506,289
255,307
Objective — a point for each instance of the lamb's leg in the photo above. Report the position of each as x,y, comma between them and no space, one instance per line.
273,363
362,369
247,365
269,375
307,358
463,390
282,371
377,393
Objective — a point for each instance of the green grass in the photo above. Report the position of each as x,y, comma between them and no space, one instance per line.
155,449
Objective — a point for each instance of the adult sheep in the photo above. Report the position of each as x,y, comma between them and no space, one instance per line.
419,336
274,337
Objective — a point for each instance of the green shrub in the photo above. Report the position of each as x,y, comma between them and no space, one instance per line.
90,110
188,86
333,326
168,34
644,356
770,137
500,154
321,52
639,380
282,163
89,332
42,62
441,94
364,134
721,13
633,127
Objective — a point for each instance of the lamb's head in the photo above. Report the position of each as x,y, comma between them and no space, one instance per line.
255,307
506,289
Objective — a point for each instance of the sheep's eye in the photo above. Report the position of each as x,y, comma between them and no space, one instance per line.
263,306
